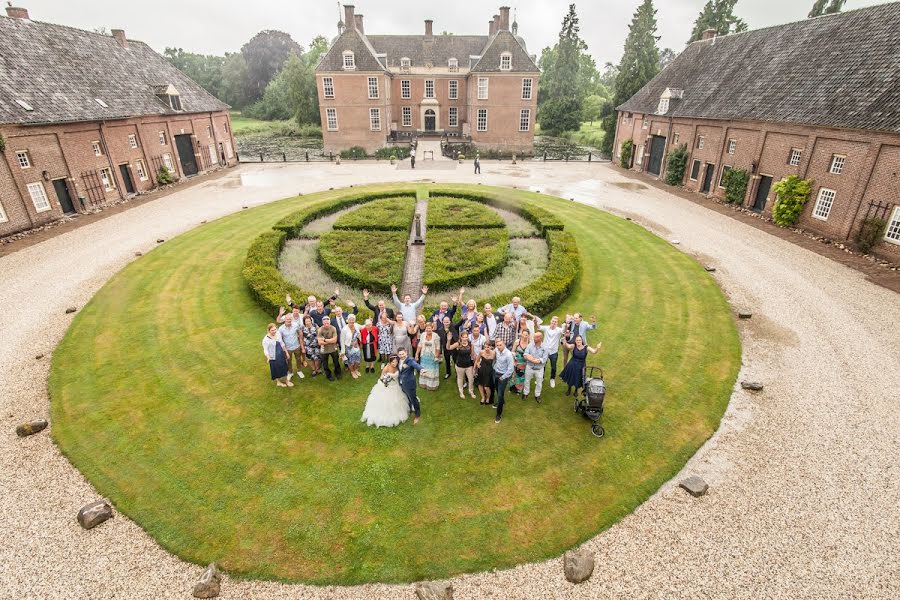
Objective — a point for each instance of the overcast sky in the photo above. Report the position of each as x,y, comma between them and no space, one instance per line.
216,27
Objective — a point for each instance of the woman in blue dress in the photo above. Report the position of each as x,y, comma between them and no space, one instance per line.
573,374
311,344
276,355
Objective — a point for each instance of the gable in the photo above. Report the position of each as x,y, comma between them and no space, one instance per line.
500,43
363,53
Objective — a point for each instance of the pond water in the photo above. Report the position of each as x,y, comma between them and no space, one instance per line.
250,146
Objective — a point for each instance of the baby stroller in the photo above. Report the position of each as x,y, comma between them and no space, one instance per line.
591,407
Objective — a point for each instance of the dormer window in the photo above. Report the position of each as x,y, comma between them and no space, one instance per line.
453,65
404,63
175,101
663,107
506,61
169,95
349,60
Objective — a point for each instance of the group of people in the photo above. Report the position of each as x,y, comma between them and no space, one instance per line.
495,351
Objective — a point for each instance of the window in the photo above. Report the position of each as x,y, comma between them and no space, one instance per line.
132,139
106,177
98,151
175,101
525,120
893,229
404,63
453,117
824,203
349,60
453,90
162,138
732,146
482,88
373,88
794,160
429,88
212,154
506,61
663,107
209,131
701,141
695,170
230,151
407,116
225,126
675,139
375,119
141,171
526,88
24,160
3,217
328,87
722,175
38,197
482,119
331,117
453,65
837,164
167,161
404,90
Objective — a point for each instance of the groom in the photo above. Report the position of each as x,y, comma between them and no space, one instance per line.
408,368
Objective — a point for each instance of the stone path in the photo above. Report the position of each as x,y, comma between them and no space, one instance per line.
415,253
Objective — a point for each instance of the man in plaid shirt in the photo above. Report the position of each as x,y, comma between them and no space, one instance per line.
506,330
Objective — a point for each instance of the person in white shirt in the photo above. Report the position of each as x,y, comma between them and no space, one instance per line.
407,307
350,336
490,320
276,356
515,307
552,336
536,357
293,345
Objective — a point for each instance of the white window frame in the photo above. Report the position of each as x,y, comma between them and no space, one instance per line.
527,88
453,65
675,138
405,89
132,141
141,170
483,90
109,184
691,172
482,116
892,231
373,88
167,162
38,196
795,157
725,169
24,159
225,126
331,115
838,162
213,159
98,149
405,63
453,117
4,218
701,141
375,119
209,131
453,89
349,61
163,138
229,149
732,146
824,203
328,88
525,119
506,61
175,102
429,87
407,116
663,107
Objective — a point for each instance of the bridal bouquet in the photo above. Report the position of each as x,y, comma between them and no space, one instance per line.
386,379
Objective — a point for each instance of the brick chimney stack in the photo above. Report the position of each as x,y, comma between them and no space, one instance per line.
504,18
119,34
709,34
349,17
429,28
359,24
496,24
491,27
14,12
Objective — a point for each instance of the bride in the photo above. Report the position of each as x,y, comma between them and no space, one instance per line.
387,405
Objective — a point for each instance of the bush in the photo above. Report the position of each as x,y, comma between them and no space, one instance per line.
456,213
389,152
540,217
464,257
677,165
869,233
386,214
294,223
735,182
462,156
354,153
627,151
267,285
364,259
792,193
164,176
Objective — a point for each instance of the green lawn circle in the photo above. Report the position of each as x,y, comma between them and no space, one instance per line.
160,395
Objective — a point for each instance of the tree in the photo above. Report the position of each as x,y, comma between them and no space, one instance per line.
308,94
639,64
718,15
236,89
559,101
592,108
665,57
204,69
265,54
826,7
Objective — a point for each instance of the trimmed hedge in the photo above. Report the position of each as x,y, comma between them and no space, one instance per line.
364,259
538,216
464,257
267,285
386,214
294,223
459,213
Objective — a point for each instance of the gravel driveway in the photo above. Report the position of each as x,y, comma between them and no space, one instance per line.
804,477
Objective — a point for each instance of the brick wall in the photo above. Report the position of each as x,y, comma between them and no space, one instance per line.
352,103
504,106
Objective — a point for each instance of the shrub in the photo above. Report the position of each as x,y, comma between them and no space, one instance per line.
540,217
354,153
386,214
456,213
735,182
267,285
364,259
164,176
792,193
395,152
294,223
462,156
627,151
464,257
871,230
677,165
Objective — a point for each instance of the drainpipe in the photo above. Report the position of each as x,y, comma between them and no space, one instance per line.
863,192
19,187
112,168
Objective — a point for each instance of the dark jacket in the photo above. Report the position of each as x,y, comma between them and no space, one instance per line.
408,375
374,309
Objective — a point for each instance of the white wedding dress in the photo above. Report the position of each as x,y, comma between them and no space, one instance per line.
387,405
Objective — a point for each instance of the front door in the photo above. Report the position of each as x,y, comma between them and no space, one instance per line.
708,178
126,178
762,193
657,147
430,120
62,193
186,154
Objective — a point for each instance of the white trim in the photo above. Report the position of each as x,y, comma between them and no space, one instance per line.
795,153
732,146
453,65
167,162
4,218
701,141
407,116
529,88
525,118
141,169
453,89
163,138
453,117
725,169
38,196
405,63
373,88
132,141
331,114
483,91
824,203
98,149
506,61
838,162
663,106
375,119
892,231
109,183
328,88
484,112
425,93
405,89
349,65
24,159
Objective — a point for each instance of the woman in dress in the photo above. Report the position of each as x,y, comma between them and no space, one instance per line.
416,329
276,355
369,339
518,351
350,342
449,341
464,359
573,374
385,337
387,405
311,344
484,371
428,354
401,336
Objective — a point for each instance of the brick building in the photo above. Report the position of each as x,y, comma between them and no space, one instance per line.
818,99
375,88
87,119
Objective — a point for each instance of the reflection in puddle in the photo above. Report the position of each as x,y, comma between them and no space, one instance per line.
256,180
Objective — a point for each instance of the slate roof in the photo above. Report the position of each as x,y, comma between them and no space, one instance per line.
363,53
60,70
504,41
439,51
840,71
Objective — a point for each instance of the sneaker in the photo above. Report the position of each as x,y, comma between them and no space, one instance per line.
471,394
462,396
447,376
553,383
290,383
315,373
300,374
497,420
537,399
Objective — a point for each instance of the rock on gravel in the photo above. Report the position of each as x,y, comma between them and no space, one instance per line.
694,486
94,513
31,428
71,309
430,590
578,565
210,583
753,386
745,315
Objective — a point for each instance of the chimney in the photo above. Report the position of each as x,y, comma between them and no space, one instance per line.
359,24
429,31
119,34
504,18
709,34
496,24
15,12
491,27
349,18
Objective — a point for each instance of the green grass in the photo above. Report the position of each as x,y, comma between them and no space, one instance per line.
463,257
248,126
385,214
456,213
166,407
588,135
364,259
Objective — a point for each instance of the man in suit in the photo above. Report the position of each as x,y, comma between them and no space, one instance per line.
378,309
339,319
408,368
444,310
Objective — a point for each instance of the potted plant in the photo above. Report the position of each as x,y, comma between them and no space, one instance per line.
393,159
462,157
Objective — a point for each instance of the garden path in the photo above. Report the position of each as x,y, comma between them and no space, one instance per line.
414,266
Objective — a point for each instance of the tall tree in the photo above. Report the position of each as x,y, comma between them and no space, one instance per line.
826,7
265,54
236,88
666,56
204,69
718,15
639,64
562,89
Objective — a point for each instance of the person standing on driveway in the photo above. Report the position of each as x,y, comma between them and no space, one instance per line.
477,165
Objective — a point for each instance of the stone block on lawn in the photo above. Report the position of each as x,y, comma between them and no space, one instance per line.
70,310
710,269
429,590
94,513
694,486
578,565
753,386
31,428
745,315
210,583
160,241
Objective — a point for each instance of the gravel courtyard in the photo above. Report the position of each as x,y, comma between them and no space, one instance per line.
804,476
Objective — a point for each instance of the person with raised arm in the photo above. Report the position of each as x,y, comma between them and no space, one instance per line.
407,307
378,308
